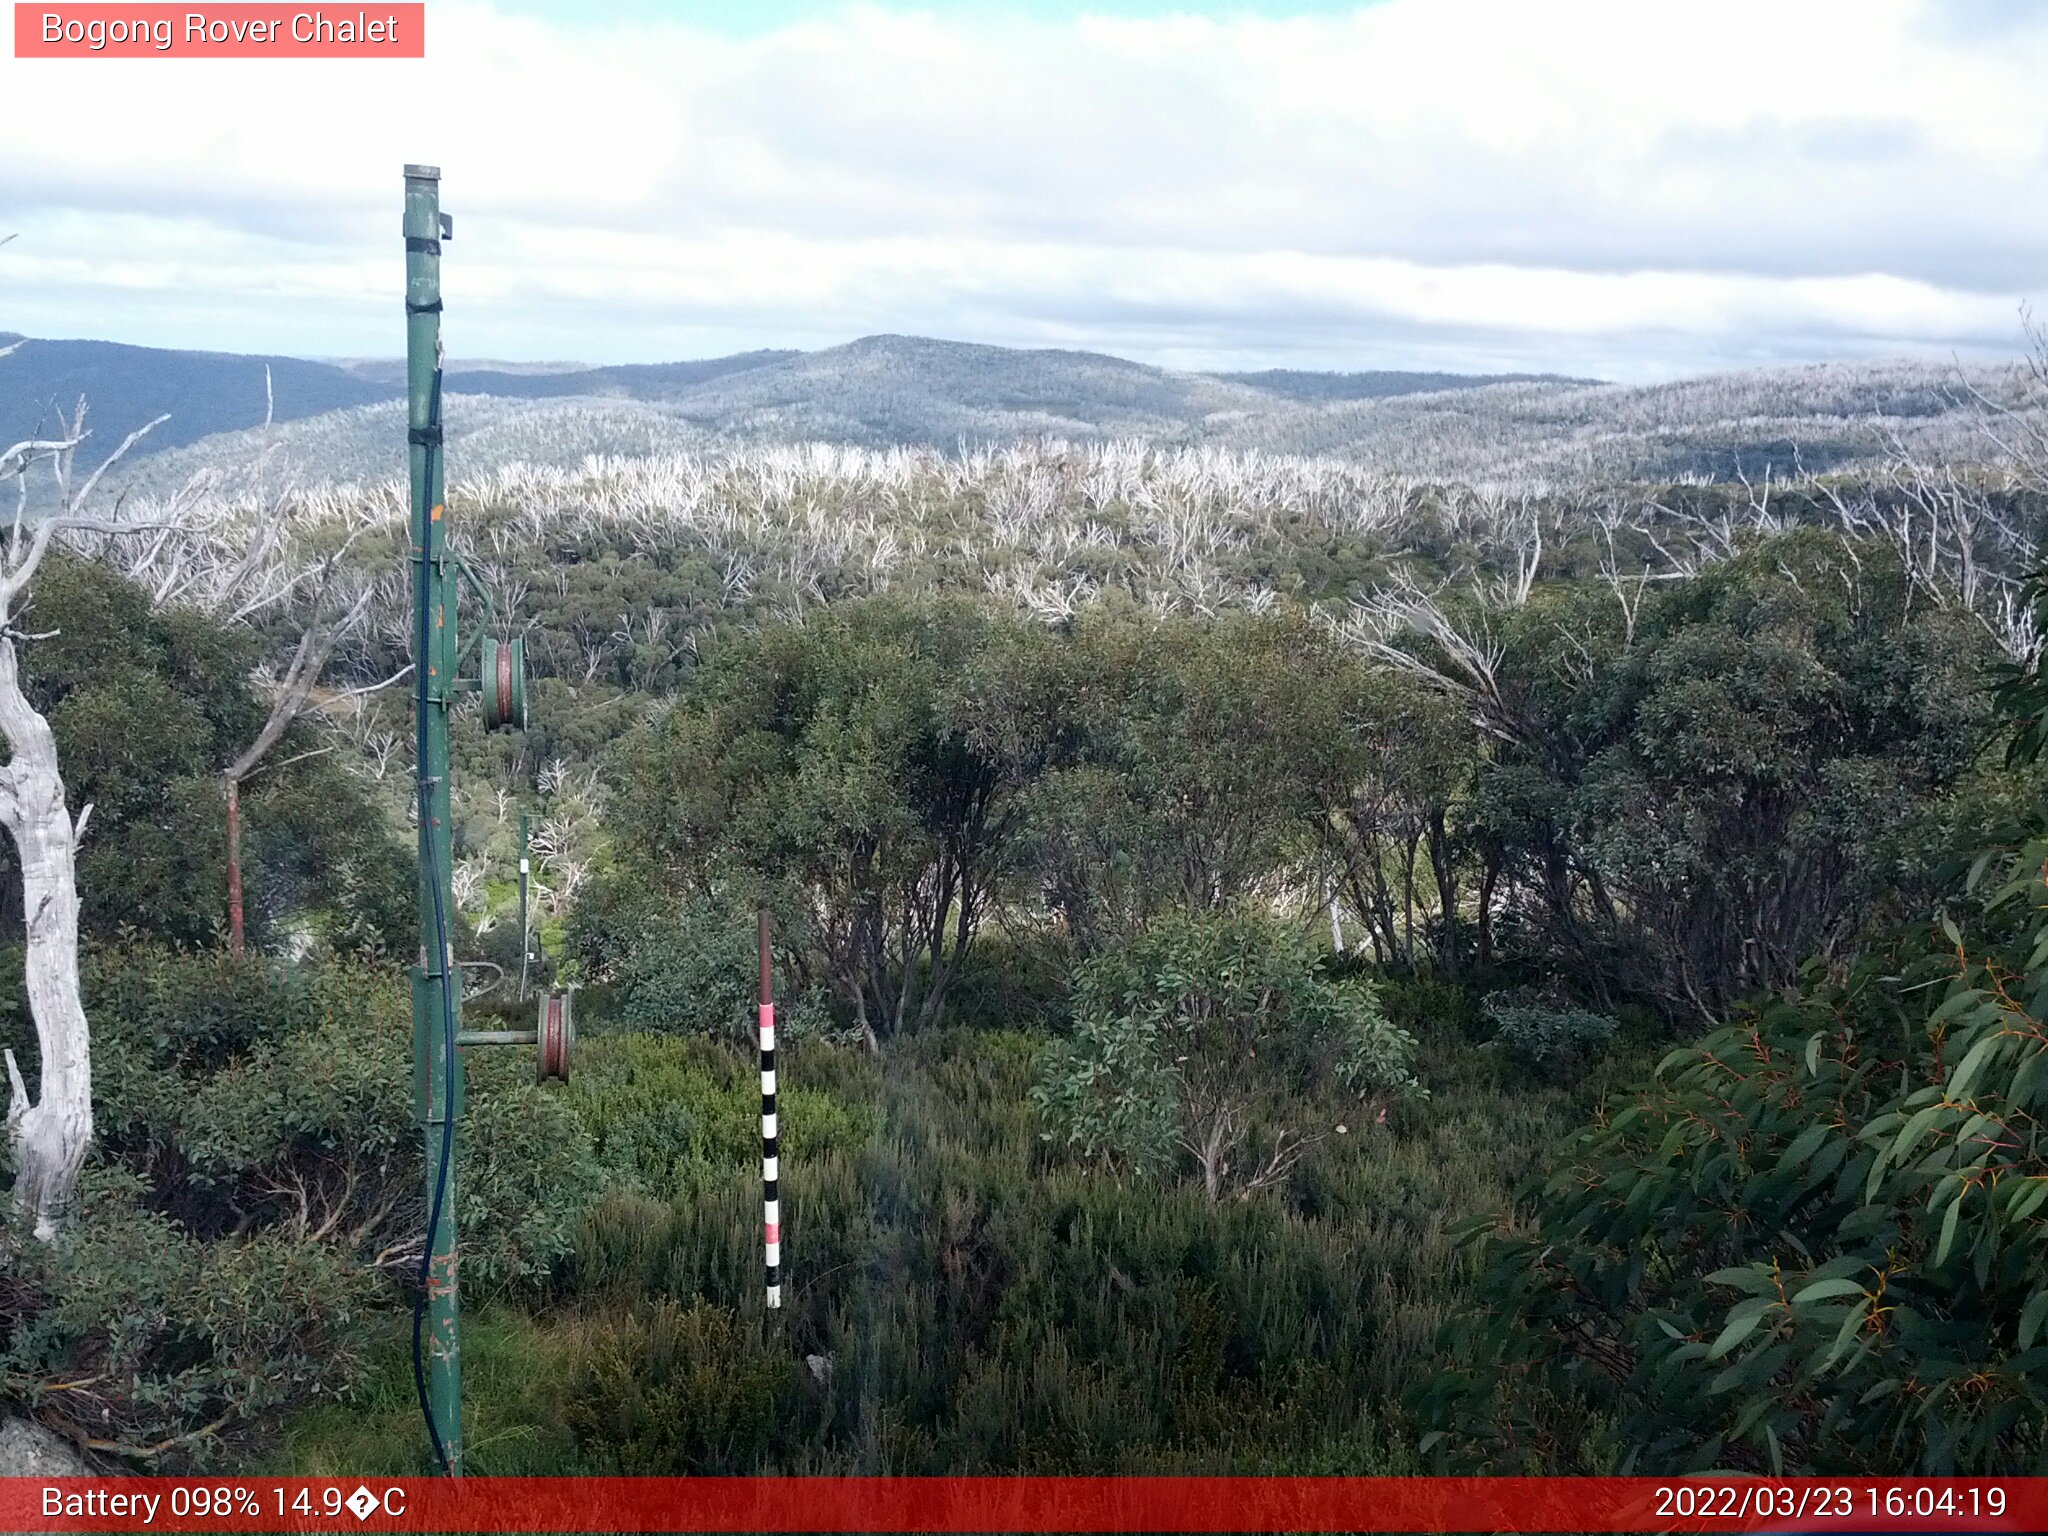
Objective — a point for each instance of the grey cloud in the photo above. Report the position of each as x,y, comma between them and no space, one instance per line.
1160,154
1278,332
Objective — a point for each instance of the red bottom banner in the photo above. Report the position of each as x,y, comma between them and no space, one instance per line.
1717,1502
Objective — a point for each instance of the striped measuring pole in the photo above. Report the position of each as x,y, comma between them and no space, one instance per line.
771,1202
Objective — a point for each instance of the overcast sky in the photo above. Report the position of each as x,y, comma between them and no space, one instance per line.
1628,189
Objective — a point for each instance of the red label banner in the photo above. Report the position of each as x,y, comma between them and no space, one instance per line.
962,1504
242,31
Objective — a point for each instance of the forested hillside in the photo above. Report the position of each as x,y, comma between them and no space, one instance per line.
334,422
41,383
1778,424
879,391
1288,965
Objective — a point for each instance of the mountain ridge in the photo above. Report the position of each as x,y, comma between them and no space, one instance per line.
888,392
126,386
874,390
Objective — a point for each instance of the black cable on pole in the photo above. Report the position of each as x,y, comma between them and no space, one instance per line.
433,876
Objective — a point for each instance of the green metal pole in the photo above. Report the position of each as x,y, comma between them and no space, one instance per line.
437,1066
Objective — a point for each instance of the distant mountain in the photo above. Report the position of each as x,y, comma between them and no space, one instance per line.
1778,421
543,381
204,392
888,390
367,444
391,370
1322,388
635,381
880,390
343,421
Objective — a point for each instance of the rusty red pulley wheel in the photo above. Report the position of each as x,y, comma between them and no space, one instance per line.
504,684
557,1038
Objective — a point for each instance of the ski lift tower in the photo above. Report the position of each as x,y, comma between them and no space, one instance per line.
439,658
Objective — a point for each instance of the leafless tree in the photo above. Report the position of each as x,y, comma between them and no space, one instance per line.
315,646
379,749
1460,659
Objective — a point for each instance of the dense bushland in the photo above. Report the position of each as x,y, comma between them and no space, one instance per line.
149,706
1165,1068
257,1179
1682,798
1205,891
1814,1239
1747,771
970,1298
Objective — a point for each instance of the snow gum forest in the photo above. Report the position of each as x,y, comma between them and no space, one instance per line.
1494,927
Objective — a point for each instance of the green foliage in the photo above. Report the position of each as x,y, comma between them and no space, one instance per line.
840,772
1685,798
1199,759
676,964
1546,1032
1397,819
1213,1038
1808,1243
1813,1241
670,1114
151,1343
1015,980
147,708
973,1302
2020,691
255,1096
887,773
513,1368
262,1183
974,1307
1704,793
320,861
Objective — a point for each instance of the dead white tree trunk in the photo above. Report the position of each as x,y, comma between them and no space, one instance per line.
50,1133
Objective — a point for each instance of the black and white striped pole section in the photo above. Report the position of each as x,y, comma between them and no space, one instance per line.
771,1201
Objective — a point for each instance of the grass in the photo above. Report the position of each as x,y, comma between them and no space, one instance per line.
512,1360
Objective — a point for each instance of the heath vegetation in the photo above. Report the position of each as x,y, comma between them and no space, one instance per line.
1520,953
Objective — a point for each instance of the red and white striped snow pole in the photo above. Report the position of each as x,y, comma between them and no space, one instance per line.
771,1203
